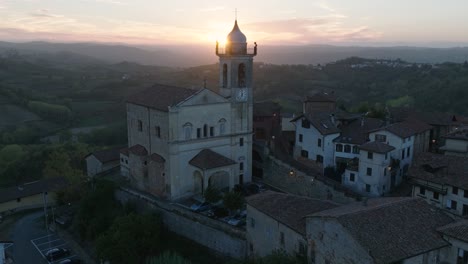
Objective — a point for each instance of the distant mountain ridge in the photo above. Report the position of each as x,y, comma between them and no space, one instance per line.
191,55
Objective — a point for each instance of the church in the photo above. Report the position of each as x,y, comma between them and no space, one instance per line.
181,141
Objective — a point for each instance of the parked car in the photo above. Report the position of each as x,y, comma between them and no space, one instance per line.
56,254
200,206
70,261
217,212
237,220
64,220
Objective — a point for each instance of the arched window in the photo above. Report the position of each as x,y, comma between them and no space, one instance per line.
222,126
347,148
205,130
188,130
339,148
355,150
241,75
225,76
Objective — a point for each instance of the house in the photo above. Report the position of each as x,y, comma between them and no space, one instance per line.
266,121
31,194
353,134
373,178
457,235
381,163
102,161
442,181
380,230
441,123
456,143
276,221
180,141
319,102
315,133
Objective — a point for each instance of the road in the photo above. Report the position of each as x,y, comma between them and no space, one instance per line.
24,230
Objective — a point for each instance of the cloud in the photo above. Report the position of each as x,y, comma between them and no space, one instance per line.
212,9
322,29
44,13
112,2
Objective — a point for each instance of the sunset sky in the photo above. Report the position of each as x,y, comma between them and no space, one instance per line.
294,22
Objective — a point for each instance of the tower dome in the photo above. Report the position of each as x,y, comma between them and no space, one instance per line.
236,42
236,36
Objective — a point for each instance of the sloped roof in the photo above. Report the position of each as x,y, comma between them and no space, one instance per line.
417,125
107,155
458,230
392,229
440,169
208,159
400,114
288,209
124,151
357,132
161,96
401,129
321,121
32,188
158,158
459,134
377,147
138,150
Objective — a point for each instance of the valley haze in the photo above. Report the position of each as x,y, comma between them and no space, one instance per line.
194,55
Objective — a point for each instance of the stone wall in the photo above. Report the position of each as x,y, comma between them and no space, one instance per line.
277,174
216,235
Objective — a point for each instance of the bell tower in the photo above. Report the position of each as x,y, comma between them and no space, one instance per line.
235,84
236,66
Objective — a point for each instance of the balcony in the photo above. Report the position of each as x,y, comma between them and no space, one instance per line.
236,51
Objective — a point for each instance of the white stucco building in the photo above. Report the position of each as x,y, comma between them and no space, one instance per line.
441,180
180,140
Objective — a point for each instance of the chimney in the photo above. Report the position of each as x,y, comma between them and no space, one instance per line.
362,121
332,118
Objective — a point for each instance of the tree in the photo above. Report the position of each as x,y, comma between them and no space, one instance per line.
212,195
168,258
130,239
233,201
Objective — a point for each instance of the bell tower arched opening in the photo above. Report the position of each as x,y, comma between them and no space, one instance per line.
241,76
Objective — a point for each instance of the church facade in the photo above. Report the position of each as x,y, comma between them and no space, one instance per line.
180,141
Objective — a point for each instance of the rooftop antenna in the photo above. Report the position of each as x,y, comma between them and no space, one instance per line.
235,13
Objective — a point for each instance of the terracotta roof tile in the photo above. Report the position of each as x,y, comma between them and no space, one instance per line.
158,158
440,169
124,151
107,155
138,150
458,230
377,147
357,132
161,96
288,209
32,188
460,134
208,159
392,229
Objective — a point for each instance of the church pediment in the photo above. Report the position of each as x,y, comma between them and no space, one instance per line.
203,97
